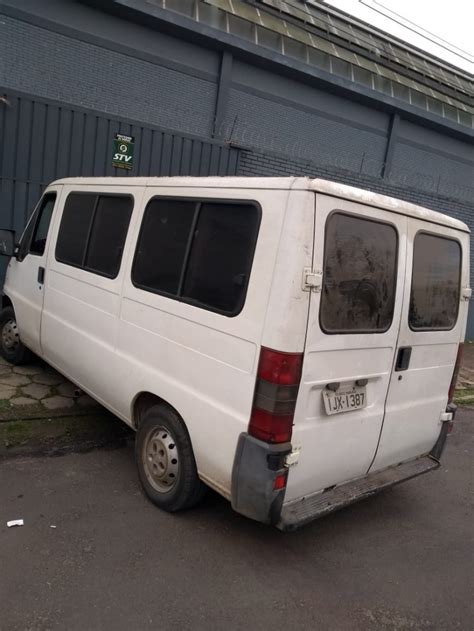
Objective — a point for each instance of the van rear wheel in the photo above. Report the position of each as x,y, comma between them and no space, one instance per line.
11,347
165,460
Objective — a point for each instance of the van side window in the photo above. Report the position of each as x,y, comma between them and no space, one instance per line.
40,234
33,239
162,245
220,257
359,276
108,234
93,231
435,284
199,252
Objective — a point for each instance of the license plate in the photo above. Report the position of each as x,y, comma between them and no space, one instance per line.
336,402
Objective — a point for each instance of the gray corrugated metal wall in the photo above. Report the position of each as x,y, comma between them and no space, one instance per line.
44,140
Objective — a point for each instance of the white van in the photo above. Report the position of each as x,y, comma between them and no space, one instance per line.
291,343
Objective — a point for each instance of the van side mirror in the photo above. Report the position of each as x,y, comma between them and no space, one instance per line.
7,242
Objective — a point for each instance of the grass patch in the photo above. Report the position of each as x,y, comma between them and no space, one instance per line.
464,396
61,434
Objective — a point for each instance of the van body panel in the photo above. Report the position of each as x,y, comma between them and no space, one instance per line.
22,286
418,396
287,311
207,362
81,316
336,448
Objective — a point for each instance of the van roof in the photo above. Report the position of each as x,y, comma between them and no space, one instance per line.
327,187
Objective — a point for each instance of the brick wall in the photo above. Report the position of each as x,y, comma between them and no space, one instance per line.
263,122
45,63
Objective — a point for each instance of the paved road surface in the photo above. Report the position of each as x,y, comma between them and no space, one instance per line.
401,561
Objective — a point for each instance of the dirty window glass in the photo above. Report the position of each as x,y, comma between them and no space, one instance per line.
434,298
359,276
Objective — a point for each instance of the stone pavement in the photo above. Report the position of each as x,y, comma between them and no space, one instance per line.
38,389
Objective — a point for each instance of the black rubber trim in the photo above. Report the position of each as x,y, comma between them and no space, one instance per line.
256,466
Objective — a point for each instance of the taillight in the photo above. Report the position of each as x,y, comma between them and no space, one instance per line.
276,390
457,365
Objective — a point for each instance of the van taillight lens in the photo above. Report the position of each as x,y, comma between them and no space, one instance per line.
276,391
457,365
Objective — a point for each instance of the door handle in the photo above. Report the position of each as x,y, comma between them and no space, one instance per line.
41,275
403,358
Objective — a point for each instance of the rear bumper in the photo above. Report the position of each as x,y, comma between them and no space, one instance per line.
300,512
257,464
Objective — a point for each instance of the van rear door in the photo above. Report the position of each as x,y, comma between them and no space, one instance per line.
352,335
432,326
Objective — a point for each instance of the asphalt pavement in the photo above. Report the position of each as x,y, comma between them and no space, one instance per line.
94,554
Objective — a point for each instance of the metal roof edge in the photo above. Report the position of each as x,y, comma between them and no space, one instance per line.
391,38
145,13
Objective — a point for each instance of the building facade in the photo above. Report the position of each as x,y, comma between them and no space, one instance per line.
227,87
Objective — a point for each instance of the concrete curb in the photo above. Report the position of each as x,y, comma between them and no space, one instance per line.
62,434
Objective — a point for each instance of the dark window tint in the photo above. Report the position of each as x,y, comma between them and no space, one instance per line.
40,234
359,276
108,234
42,213
198,252
27,236
162,244
221,256
75,226
434,298
93,232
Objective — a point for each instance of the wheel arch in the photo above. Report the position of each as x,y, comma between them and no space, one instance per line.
5,301
143,401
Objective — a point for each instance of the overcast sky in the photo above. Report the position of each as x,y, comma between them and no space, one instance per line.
453,21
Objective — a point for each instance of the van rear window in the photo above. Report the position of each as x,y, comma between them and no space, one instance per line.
93,231
435,285
359,276
199,252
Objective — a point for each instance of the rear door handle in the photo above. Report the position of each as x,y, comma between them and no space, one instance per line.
41,275
403,358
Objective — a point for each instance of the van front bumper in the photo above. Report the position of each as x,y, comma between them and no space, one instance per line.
300,512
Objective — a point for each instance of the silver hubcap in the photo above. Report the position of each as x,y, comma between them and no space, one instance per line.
10,335
160,460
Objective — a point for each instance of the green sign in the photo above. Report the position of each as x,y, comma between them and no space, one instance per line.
123,151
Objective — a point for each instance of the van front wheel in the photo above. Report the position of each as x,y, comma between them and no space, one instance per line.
11,347
165,460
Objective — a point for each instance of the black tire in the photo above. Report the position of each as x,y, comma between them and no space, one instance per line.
165,460
11,347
